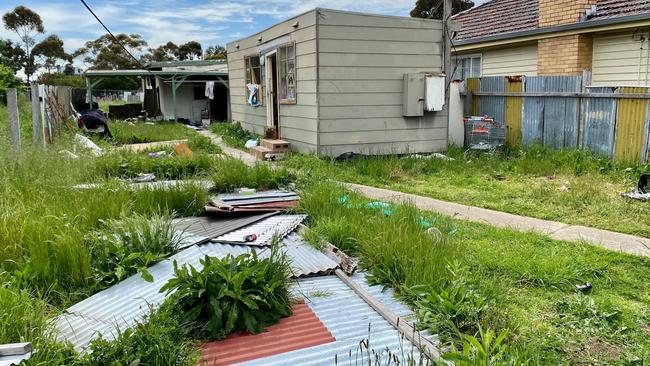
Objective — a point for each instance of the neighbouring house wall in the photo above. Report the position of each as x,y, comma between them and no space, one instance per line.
362,62
297,122
557,12
618,60
566,55
514,60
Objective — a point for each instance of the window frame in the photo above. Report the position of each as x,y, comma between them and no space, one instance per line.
282,72
248,77
457,64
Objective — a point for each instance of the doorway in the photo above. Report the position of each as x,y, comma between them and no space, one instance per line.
272,105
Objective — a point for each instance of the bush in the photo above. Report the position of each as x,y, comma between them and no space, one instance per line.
232,294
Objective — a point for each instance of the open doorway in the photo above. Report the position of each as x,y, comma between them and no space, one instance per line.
272,105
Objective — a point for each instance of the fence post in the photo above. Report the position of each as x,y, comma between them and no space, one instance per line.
14,122
36,114
582,107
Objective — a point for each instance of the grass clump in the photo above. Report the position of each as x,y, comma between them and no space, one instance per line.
125,164
232,294
158,340
130,244
139,133
232,173
233,134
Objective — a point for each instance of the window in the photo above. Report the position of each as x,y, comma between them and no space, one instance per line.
466,67
254,74
287,73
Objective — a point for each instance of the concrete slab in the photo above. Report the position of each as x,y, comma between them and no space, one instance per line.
556,230
151,145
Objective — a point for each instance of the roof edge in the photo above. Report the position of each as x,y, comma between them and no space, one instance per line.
554,29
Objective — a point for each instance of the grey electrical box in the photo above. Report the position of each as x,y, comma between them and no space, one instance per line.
413,95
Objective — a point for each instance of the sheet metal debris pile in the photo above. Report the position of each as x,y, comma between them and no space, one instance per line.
266,201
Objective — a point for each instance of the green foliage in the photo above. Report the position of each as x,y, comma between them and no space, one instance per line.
232,294
130,244
158,340
106,52
26,24
11,55
489,350
138,133
233,134
128,165
232,173
76,81
432,9
8,78
51,50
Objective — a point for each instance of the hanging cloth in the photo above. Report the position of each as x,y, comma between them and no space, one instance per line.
253,97
209,89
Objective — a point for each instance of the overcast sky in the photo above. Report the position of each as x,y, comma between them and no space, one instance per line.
159,21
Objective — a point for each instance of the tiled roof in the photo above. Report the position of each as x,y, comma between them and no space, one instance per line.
619,8
512,16
496,17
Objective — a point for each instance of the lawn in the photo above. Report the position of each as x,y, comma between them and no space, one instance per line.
467,278
570,186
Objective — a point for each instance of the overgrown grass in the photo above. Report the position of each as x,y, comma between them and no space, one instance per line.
570,186
462,277
141,132
233,134
230,173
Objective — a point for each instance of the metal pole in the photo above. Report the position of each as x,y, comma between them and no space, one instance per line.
447,55
89,93
174,99
14,122
36,114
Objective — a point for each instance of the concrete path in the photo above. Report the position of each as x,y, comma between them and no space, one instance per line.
247,158
607,239
150,145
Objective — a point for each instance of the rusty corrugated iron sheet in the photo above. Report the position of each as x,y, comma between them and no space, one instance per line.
301,330
631,123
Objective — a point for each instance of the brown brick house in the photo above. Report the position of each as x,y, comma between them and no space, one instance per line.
556,37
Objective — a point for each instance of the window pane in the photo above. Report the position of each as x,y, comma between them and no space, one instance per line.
290,52
476,66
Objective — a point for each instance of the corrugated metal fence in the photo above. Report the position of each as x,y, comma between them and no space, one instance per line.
561,112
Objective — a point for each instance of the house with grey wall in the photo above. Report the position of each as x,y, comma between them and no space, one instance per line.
330,82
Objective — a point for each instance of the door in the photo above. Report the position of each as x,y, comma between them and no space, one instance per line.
272,106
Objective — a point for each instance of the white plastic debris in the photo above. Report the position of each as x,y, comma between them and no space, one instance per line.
69,154
250,143
87,143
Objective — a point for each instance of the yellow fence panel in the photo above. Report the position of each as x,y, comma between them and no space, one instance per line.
514,110
630,125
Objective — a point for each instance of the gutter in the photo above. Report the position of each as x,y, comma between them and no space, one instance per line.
581,27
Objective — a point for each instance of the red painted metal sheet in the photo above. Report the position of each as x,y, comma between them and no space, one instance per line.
301,330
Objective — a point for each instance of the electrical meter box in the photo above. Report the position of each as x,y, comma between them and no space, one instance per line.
413,95
434,92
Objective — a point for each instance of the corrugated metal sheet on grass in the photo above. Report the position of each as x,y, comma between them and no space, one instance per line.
123,305
350,320
265,230
199,229
600,122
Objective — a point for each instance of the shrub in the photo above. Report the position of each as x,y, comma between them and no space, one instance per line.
232,294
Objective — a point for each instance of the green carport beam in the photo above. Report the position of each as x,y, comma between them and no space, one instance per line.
176,83
89,90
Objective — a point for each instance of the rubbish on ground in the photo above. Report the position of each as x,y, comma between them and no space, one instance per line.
273,157
349,156
69,154
87,143
250,143
158,154
94,121
149,123
643,182
641,193
586,287
246,191
143,177
386,209
565,187
434,155
183,150
250,237
246,201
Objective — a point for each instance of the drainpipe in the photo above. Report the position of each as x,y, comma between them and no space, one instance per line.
638,75
647,61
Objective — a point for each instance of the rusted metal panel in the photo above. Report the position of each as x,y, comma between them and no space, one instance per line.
532,124
561,114
494,107
600,122
514,107
631,120
473,85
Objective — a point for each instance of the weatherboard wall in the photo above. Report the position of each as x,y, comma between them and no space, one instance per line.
362,60
297,122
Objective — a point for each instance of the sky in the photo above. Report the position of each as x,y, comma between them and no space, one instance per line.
158,21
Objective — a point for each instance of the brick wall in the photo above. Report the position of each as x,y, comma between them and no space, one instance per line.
566,55
556,12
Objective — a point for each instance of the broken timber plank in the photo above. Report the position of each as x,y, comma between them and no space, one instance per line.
408,330
15,349
347,263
